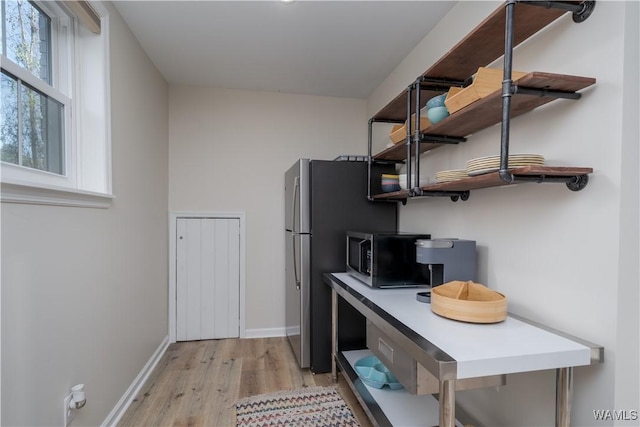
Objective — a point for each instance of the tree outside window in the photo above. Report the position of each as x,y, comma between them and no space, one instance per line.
31,122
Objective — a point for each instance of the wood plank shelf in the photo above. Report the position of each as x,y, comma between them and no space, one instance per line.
488,111
495,37
492,179
481,46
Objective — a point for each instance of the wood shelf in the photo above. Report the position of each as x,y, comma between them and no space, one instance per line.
394,195
492,179
488,111
481,46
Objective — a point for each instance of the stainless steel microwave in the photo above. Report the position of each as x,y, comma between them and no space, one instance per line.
385,260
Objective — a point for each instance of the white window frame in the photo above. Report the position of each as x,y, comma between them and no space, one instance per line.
13,171
80,74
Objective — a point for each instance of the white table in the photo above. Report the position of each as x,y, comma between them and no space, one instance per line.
453,351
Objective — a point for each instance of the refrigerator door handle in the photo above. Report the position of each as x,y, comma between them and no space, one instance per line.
296,275
296,187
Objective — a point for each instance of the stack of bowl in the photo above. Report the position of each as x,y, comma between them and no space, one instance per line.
436,110
390,182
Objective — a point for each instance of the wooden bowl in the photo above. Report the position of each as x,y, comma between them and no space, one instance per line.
485,82
468,302
399,132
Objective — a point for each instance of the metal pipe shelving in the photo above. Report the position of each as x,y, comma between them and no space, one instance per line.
532,85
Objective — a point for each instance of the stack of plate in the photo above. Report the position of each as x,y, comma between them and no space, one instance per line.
451,175
492,163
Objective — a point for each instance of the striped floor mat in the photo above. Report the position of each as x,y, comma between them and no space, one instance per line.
313,406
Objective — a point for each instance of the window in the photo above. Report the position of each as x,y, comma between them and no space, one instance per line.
34,111
32,127
54,123
26,37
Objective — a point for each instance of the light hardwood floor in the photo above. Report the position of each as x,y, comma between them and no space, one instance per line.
197,383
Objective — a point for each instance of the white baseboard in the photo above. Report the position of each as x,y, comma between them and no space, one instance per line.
265,333
125,401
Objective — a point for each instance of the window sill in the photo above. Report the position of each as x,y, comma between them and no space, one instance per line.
17,192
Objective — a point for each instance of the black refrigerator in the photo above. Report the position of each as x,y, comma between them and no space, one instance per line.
323,200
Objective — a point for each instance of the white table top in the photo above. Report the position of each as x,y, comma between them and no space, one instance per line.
479,349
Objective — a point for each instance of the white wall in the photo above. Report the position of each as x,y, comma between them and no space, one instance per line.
228,151
565,259
84,291
628,347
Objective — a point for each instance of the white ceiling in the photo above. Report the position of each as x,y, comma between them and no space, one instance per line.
330,48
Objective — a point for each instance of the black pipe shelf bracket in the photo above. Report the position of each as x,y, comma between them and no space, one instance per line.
580,11
507,90
371,160
578,183
441,81
417,137
542,92
372,120
389,162
441,139
573,183
440,84
410,89
434,88
454,195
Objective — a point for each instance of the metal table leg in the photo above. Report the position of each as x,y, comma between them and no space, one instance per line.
447,400
564,391
334,334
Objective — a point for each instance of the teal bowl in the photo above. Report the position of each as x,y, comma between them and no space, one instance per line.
436,101
375,374
436,114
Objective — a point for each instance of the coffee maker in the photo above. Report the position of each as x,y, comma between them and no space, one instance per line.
448,259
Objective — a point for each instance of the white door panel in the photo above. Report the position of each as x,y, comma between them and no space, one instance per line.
208,278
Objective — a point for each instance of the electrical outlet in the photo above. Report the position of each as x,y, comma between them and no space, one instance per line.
69,413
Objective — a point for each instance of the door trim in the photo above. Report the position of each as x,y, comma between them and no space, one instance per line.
173,218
